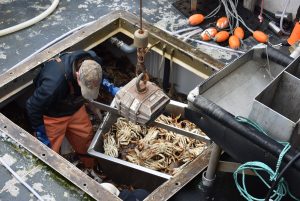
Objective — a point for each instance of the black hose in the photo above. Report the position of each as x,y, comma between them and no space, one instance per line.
277,56
123,46
217,120
280,175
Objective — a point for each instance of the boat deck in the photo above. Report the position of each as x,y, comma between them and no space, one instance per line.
71,14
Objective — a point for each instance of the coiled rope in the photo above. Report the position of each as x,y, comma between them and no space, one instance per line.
282,187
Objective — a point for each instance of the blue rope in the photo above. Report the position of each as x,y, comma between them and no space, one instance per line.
256,166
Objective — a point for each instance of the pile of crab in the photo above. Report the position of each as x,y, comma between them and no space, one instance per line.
154,147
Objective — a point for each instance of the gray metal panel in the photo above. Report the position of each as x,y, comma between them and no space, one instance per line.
294,68
286,99
276,126
215,78
277,108
266,95
235,87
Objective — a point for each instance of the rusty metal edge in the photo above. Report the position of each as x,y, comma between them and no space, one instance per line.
55,161
170,187
110,19
184,47
58,47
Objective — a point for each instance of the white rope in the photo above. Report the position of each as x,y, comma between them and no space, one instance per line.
214,12
239,18
183,30
286,3
216,46
228,14
30,22
192,33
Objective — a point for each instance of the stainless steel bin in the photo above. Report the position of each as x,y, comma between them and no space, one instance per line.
125,172
277,107
235,86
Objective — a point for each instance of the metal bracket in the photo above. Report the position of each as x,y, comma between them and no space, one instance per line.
230,167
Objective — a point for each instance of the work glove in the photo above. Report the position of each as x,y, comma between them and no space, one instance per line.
41,135
110,87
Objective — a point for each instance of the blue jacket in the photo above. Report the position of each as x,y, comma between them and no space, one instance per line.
57,92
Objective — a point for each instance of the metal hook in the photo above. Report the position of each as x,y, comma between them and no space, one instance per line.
138,80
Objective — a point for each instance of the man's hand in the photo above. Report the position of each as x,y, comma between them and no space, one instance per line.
113,90
95,110
40,133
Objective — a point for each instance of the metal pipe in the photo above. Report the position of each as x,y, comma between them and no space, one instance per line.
166,75
296,53
209,175
123,46
141,17
249,4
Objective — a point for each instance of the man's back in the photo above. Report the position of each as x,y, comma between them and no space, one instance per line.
57,92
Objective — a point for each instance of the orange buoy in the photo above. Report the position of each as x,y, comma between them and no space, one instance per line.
239,32
222,23
260,36
196,19
295,35
234,42
221,36
208,34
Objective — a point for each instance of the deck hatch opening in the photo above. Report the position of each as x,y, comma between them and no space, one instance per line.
95,38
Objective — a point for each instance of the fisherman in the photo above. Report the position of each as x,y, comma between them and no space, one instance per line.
57,107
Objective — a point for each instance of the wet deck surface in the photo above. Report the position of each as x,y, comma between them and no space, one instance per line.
39,176
72,13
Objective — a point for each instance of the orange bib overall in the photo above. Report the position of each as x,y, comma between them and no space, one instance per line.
78,130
